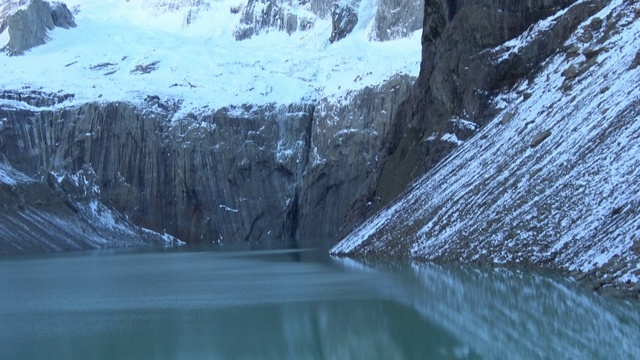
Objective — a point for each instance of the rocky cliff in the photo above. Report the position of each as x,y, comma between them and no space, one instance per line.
250,173
230,174
459,75
159,130
348,140
550,177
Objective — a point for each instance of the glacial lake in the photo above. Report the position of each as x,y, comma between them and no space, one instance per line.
205,303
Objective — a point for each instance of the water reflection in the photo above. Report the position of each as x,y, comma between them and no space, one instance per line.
503,314
296,305
328,330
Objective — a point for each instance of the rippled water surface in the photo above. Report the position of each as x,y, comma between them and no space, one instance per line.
210,304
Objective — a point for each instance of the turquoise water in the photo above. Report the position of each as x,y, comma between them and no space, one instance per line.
210,304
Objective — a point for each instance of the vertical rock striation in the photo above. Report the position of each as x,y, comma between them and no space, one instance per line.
233,174
347,142
250,173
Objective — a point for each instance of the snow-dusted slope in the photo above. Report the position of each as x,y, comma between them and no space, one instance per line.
127,50
552,181
62,214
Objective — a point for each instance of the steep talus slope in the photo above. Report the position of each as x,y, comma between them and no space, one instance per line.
59,214
458,77
552,179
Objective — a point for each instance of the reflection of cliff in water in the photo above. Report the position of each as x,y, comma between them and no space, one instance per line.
504,314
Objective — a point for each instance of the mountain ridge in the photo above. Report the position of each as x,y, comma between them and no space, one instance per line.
549,182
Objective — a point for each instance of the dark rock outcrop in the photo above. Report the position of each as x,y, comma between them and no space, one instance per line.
29,27
61,16
344,19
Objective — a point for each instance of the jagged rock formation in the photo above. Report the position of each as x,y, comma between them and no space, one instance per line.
397,18
344,19
393,18
28,26
551,180
61,214
259,16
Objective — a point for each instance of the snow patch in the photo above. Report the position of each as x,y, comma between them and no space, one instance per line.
226,208
451,138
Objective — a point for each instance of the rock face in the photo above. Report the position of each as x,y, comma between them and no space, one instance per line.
347,140
230,175
267,173
551,180
259,16
28,27
397,18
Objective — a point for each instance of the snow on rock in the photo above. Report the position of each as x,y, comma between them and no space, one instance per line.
8,175
129,50
553,180
43,216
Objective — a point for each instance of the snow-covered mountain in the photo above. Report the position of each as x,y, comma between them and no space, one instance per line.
552,180
210,120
